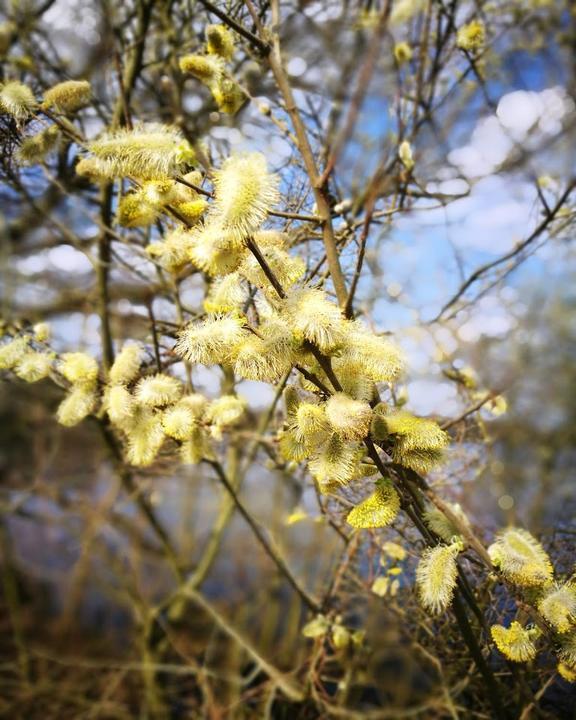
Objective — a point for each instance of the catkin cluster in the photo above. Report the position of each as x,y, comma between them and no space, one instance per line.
264,321
209,67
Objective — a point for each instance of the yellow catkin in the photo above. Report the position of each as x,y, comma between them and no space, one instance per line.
558,607
36,147
378,510
225,411
79,368
286,268
292,448
228,95
34,366
191,210
78,404
160,192
134,211
196,447
206,68
514,642
314,318
402,53
521,558
268,356
292,400
226,294
178,421
119,404
245,192
377,358
158,390
335,463
405,154
418,443
219,41
17,100
436,576
349,417
95,170
12,352
567,650
173,252
310,424
145,437
566,672
213,250
68,96
126,365
471,37
147,151
441,525
210,341
42,331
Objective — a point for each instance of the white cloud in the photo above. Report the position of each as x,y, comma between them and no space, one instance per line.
521,116
65,257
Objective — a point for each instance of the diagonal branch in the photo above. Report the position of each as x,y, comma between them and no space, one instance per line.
483,270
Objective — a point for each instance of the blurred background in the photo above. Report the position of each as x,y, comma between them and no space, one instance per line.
469,266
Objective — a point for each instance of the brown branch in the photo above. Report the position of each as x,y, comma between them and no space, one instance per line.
319,189
262,47
272,553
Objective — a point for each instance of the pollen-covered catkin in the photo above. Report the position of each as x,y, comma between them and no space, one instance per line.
78,404
158,390
147,151
68,96
336,462
374,356
286,268
436,576
378,510
178,421
126,365
119,404
196,447
521,558
225,411
206,68
36,147
268,356
349,417
79,368
314,318
214,250
133,211
558,607
419,443
34,366
245,192
567,650
145,437
442,525
566,672
514,642
219,41
226,294
17,100
310,424
12,352
471,37
210,341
